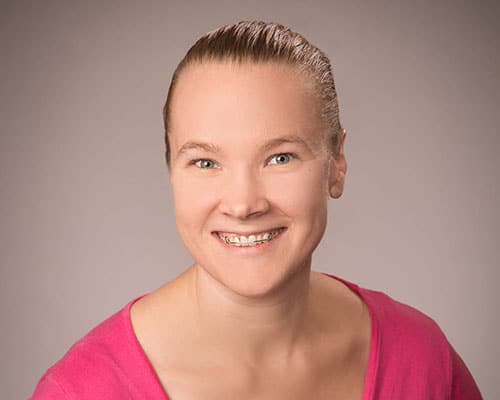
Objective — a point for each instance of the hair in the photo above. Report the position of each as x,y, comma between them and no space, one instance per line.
264,42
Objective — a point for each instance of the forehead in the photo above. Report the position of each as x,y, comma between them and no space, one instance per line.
248,100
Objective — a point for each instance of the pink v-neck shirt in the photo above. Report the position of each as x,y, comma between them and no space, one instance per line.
410,358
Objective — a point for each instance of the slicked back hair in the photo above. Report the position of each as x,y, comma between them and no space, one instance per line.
264,42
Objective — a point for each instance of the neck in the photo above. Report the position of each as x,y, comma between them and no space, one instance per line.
253,330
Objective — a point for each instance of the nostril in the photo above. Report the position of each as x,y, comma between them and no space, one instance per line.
244,209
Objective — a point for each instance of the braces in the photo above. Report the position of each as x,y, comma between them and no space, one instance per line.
272,235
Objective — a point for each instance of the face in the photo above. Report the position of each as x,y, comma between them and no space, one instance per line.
250,172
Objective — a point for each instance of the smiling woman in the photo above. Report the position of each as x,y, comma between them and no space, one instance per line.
245,190
255,148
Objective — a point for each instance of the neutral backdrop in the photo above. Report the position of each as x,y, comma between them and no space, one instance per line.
86,210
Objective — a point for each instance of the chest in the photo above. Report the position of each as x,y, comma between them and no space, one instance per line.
217,384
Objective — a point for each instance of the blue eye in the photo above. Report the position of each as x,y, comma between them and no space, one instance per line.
281,158
205,164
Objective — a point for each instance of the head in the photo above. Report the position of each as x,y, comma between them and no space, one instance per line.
260,42
254,146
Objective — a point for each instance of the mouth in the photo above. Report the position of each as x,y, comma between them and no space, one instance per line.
250,240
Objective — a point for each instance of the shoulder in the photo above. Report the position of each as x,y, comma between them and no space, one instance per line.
407,332
414,356
400,320
410,356
99,365
396,319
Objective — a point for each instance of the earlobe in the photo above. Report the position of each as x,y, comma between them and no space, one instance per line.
337,187
338,170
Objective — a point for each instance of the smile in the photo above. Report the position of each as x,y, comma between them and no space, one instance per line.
256,239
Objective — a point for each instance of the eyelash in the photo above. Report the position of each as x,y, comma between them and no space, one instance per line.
291,155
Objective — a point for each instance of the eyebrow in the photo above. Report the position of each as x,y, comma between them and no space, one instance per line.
285,139
212,148
208,147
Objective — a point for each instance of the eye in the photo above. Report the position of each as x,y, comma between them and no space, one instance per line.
205,164
282,158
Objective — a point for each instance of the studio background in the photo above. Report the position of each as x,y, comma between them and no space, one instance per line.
86,211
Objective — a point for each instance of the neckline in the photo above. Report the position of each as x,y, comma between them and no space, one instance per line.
373,355
148,373
374,346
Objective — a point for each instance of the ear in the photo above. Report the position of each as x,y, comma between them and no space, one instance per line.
338,169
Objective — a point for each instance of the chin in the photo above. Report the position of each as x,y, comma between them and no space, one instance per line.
252,281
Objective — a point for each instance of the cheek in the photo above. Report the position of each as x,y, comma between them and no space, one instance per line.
193,199
303,197
303,192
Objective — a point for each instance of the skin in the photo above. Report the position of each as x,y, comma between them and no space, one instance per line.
249,154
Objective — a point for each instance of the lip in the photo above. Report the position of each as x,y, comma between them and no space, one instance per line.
248,233
250,250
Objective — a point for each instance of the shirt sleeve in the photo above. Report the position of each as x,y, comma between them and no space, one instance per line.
463,385
49,389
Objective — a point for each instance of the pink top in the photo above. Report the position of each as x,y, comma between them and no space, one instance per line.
410,358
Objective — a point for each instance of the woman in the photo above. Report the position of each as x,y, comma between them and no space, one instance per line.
254,149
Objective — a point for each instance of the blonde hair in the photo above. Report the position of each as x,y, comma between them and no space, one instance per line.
264,42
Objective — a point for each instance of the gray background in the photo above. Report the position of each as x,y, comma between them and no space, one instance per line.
86,211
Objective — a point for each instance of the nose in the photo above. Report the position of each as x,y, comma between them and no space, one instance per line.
243,196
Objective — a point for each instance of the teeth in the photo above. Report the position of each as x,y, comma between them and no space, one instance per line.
252,240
